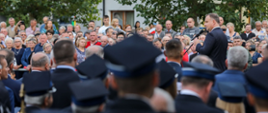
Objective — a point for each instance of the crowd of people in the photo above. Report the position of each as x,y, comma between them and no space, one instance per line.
112,69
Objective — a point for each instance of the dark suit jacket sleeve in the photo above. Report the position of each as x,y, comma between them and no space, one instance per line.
207,46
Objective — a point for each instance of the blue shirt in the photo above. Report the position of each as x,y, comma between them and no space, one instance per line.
43,30
255,57
65,67
38,48
230,76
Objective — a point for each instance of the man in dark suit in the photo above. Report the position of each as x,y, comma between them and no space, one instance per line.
197,81
174,55
215,45
247,34
134,80
64,73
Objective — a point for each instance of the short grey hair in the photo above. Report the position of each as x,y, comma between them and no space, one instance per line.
258,22
264,21
69,25
203,59
36,100
18,39
41,62
62,27
21,32
94,50
11,18
237,57
3,23
9,39
237,37
78,109
1,34
45,45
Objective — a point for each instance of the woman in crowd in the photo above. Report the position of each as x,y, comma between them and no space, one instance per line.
20,26
27,39
80,50
49,26
18,52
128,28
115,23
49,34
47,49
232,32
9,43
137,25
27,53
61,30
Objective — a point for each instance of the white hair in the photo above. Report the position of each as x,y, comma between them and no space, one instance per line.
98,50
164,38
35,100
21,32
9,39
264,21
3,23
62,27
11,19
18,39
78,109
237,57
258,22
69,25
1,34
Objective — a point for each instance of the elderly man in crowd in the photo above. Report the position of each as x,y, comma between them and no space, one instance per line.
11,27
3,25
104,41
158,31
42,39
258,31
236,64
33,28
264,24
4,31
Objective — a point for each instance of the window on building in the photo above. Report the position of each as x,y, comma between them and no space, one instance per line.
124,17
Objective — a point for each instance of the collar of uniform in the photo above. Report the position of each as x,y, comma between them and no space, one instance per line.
135,96
65,67
233,72
188,92
36,71
174,62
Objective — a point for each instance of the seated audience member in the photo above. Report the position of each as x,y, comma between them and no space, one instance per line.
47,49
247,34
236,63
39,47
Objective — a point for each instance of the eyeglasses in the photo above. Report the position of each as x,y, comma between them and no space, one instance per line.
23,34
223,29
120,37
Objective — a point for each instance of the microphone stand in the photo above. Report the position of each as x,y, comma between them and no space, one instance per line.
203,30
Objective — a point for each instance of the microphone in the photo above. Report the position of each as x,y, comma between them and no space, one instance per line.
201,31
197,35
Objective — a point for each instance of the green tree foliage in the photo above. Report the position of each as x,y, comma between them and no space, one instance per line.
83,10
179,10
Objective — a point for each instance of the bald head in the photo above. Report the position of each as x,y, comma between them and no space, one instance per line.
39,59
94,50
104,41
168,25
203,59
190,22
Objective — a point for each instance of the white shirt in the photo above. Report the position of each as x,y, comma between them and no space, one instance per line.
103,29
188,92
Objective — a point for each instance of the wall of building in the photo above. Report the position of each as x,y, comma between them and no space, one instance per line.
113,5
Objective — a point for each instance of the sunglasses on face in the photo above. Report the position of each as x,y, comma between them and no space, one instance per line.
223,29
